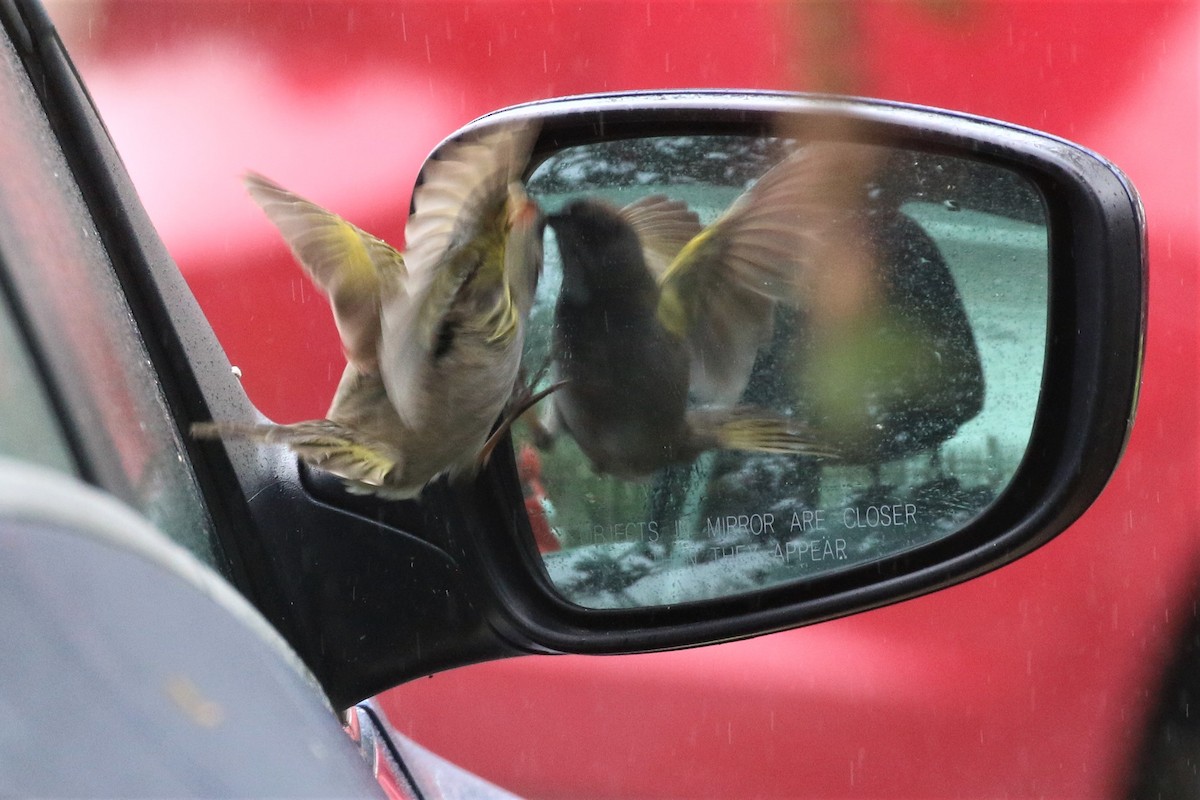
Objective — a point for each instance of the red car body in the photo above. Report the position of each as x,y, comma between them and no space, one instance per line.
1040,679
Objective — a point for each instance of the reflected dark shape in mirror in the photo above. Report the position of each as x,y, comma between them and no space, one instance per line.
781,359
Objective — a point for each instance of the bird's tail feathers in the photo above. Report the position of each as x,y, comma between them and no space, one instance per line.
330,446
757,430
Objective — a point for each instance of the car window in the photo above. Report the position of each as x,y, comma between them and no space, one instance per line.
29,427
108,403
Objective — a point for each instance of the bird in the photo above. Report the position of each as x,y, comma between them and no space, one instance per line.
639,283
432,336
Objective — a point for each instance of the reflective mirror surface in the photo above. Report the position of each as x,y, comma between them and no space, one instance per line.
777,360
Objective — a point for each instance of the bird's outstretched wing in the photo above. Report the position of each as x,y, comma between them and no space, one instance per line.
348,264
458,228
664,227
720,292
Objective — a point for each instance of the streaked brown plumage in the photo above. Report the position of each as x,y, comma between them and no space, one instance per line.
433,338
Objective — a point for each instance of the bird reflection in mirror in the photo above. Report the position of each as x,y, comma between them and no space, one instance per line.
656,308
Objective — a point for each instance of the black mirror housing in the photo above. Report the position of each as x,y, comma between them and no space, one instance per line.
1095,313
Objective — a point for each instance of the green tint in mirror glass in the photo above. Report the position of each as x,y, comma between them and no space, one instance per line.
776,360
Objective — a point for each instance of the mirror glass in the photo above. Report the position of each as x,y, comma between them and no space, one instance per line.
777,359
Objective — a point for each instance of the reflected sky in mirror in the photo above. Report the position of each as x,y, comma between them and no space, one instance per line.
776,360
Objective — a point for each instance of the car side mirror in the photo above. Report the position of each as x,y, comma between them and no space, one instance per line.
805,357
813,356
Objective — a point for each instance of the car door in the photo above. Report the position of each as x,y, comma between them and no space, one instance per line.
131,667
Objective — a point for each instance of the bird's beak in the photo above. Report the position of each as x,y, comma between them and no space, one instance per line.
523,212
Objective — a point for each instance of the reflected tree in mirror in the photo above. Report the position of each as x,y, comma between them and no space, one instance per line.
778,359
